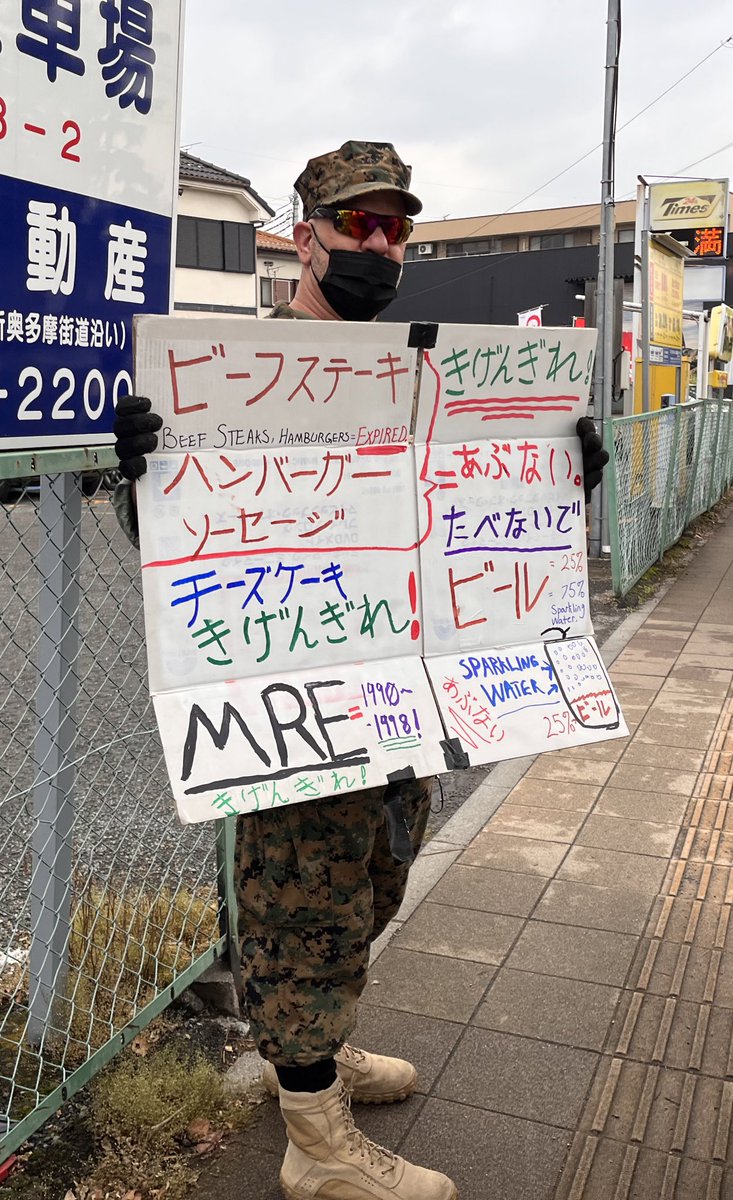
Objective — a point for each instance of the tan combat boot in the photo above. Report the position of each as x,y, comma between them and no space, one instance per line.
328,1158
368,1078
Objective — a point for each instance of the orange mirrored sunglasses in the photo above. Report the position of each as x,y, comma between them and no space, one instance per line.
359,224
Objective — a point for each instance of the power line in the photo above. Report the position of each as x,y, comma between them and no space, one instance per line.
497,260
728,41
593,149
705,157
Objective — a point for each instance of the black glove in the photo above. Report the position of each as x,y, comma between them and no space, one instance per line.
594,456
135,428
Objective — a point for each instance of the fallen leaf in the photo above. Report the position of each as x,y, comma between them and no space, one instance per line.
198,1129
139,1045
209,1144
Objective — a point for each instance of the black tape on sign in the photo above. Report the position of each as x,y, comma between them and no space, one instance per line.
456,758
400,843
423,335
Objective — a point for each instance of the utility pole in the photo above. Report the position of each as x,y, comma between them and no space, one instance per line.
603,377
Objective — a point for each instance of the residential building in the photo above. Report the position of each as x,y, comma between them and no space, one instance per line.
216,256
278,268
487,269
511,233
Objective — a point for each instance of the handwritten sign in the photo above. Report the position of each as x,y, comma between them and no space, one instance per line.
245,745
506,612
331,553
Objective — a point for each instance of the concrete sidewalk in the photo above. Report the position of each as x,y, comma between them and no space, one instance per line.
562,970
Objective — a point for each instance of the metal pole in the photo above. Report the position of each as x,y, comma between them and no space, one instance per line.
603,380
226,833
59,558
645,333
703,351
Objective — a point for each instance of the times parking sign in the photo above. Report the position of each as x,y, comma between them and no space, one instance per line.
88,178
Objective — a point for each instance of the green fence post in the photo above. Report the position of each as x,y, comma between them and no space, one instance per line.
664,523
728,453
612,483
700,437
711,497
225,842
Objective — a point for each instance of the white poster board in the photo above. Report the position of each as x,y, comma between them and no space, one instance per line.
280,561
312,626
507,624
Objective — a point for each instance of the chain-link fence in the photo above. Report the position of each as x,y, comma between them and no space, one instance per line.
666,468
108,908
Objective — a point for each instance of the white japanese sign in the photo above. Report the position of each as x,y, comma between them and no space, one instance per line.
88,174
334,601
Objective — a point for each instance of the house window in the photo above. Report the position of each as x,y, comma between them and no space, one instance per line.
276,291
482,246
215,245
625,235
550,241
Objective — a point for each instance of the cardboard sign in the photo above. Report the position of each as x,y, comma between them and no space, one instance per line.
325,593
506,609
246,745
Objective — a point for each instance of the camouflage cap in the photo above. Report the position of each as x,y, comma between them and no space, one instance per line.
353,170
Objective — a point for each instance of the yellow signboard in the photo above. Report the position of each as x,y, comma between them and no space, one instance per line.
689,204
665,296
721,334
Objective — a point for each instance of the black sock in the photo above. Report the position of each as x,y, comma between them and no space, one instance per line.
316,1077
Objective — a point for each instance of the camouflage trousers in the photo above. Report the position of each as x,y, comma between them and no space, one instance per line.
316,883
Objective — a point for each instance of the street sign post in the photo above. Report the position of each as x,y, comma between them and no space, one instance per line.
88,183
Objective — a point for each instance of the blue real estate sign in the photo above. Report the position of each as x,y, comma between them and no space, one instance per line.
88,178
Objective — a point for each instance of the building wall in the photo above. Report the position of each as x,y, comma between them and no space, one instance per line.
284,266
217,291
491,289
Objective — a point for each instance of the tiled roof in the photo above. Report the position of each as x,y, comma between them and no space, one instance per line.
196,170
273,241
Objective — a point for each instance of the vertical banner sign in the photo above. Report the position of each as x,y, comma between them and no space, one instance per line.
666,289
334,602
88,176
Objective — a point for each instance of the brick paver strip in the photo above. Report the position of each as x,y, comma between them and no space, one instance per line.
659,1118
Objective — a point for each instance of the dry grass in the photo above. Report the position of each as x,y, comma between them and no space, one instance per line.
123,950
155,1119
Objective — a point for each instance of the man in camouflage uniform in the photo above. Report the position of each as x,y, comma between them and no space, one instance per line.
317,882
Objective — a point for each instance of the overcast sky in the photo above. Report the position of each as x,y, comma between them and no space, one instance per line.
487,99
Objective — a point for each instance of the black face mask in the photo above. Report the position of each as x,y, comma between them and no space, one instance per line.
357,285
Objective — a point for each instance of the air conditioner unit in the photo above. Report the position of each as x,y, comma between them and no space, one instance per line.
425,248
